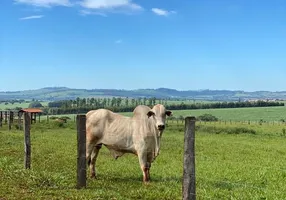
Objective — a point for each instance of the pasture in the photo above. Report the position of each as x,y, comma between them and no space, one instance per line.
233,161
6,106
268,114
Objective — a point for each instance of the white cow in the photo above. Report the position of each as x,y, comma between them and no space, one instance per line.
139,135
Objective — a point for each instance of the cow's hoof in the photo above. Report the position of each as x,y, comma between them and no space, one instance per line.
93,176
146,182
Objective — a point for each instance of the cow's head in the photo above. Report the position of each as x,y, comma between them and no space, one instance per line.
159,113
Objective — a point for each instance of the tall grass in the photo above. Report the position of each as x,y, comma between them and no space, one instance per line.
229,165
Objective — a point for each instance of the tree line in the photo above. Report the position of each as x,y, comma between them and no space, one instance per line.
118,104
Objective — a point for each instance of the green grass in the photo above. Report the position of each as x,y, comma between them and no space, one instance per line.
234,114
228,166
240,114
22,105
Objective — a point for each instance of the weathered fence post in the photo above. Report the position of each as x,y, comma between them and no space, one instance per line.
5,115
1,118
19,120
10,121
189,177
81,151
27,141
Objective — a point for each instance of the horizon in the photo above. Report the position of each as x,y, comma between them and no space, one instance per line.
131,44
56,87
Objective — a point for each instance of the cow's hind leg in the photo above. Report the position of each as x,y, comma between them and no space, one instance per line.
89,149
92,160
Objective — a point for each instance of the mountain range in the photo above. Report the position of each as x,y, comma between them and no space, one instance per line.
64,93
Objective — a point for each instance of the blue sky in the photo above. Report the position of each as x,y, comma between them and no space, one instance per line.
124,44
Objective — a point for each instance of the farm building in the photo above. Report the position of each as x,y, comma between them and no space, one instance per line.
34,112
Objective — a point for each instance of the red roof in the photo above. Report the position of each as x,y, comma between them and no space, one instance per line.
31,110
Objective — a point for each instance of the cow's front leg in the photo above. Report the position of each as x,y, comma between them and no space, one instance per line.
145,166
146,174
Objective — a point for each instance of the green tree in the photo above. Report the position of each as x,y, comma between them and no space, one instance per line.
77,101
133,102
92,101
144,101
35,104
113,102
118,101
126,101
104,103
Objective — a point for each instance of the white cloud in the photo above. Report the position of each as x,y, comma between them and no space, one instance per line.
114,6
44,3
90,12
32,17
162,12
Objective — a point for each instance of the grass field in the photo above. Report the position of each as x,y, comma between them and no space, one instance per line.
22,105
240,114
248,165
235,114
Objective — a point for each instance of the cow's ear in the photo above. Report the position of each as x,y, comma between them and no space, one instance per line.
150,113
168,113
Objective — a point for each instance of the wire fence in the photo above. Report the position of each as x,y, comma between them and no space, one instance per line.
204,158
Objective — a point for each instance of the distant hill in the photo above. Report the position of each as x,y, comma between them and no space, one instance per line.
63,93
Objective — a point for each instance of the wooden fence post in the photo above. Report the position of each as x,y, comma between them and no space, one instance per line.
189,177
27,141
19,120
10,121
5,115
1,118
81,151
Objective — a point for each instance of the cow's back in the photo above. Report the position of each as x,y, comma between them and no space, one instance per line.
105,126
96,123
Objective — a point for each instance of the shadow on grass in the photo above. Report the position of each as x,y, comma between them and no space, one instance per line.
136,179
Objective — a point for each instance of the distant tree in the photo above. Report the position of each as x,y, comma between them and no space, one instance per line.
92,101
144,101
113,102
77,101
35,104
139,101
133,102
118,101
83,102
126,101
207,117
104,103
108,102
150,100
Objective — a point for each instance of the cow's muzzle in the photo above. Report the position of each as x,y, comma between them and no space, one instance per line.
161,127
